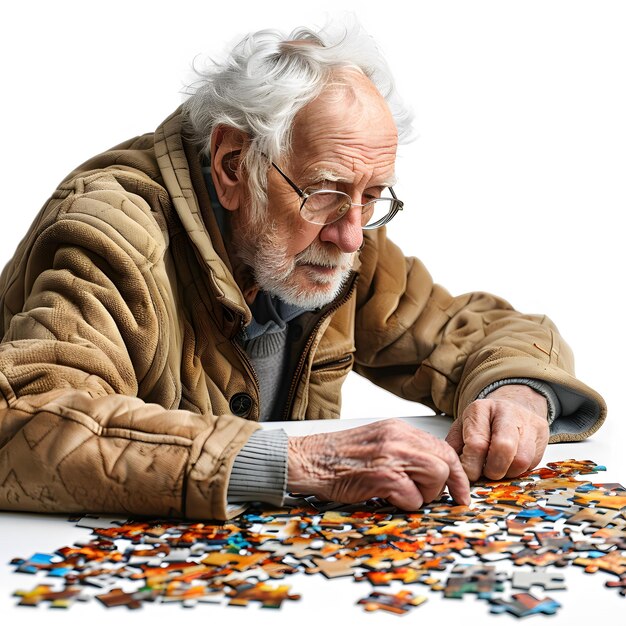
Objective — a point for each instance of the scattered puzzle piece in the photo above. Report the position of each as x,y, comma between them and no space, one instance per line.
270,597
613,562
482,580
398,604
407,575
620,584
43,593
333,568
117,597
550,581
524,604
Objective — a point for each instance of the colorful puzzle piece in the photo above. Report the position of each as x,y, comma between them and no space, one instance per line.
43,593
613,562
270,597
398,604
134,600
619,584
524,604
482,580
384,578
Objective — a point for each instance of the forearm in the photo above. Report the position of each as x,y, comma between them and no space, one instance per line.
422,343
115,454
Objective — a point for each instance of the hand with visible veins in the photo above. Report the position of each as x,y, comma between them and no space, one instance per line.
388,459
503,435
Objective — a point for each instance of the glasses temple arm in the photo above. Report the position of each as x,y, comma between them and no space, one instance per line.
290,183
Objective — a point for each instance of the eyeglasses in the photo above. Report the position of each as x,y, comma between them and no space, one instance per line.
325,206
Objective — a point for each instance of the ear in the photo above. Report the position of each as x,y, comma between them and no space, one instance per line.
227,146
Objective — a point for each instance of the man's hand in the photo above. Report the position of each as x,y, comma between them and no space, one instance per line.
388,459
503,435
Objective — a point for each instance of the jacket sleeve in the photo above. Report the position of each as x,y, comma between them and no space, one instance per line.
87,321
416,340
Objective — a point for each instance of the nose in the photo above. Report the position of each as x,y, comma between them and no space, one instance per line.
346,233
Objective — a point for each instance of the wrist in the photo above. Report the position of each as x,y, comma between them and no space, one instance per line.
304,472
524,395
259,471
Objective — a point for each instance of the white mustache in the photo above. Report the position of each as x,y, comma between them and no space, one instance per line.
317,255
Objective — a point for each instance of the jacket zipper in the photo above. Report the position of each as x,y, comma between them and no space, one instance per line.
307,347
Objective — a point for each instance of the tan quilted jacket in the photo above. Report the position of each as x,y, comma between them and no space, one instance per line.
118,365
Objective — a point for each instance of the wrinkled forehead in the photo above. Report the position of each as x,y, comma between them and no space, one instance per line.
350,116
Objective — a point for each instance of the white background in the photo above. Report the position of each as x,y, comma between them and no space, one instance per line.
515,184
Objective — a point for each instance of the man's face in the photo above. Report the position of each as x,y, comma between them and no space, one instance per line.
346,139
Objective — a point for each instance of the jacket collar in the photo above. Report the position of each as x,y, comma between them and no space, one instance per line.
179,162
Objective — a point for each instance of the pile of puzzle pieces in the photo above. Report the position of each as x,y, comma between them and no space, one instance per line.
536,525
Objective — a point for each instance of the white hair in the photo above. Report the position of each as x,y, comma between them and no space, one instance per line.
269,76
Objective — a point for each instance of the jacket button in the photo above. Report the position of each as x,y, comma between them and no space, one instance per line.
241,404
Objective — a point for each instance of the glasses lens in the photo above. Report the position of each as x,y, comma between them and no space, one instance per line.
325,206
377,212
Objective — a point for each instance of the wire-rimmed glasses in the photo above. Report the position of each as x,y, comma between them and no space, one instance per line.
325,206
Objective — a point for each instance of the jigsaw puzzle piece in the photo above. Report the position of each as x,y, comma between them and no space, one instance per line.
38,561
89,521
384,578
613,562
189,595
550,581
133,600
619,584
482,580
270,597
398,604
43,593
530,557
336,568
571,467
524,604
495,550
472,530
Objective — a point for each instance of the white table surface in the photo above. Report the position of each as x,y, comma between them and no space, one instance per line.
585,601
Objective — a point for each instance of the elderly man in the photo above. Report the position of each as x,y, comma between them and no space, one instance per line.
232,267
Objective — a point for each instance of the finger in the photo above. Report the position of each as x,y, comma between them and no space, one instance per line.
532,445
431,477
543,435
458,482
455,436
523,459
506,433
405,494
476,437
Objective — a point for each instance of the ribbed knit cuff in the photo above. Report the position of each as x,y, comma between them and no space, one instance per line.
259,472
554,405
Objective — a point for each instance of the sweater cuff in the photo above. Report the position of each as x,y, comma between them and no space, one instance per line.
554,405
259,472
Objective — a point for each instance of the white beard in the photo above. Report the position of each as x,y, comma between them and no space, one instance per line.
288,278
